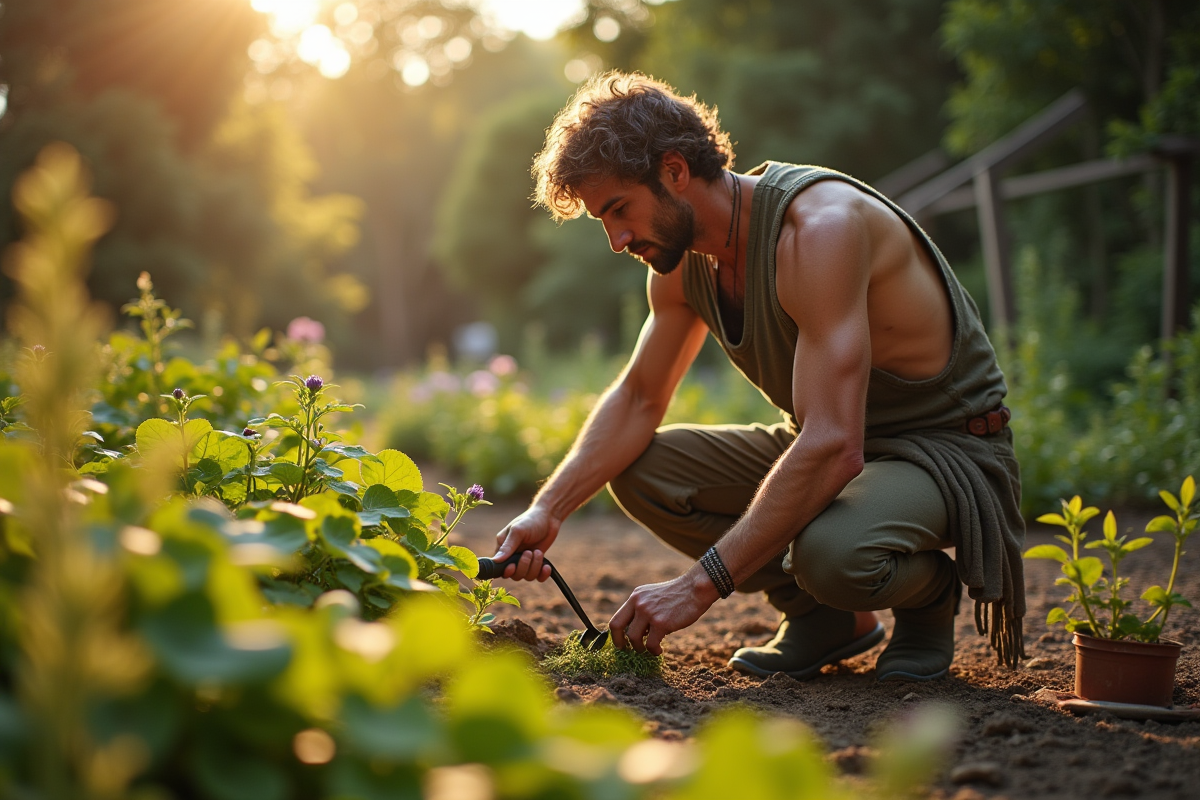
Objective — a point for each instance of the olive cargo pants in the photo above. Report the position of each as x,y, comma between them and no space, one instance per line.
877,545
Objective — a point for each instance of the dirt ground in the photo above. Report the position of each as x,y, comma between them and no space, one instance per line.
1015,742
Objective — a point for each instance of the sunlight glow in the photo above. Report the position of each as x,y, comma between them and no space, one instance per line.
606,29
345,14
288,17
3,99
415,71
319,47
537,19
458,49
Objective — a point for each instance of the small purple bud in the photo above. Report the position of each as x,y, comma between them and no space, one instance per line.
178,394
314,383
475,493
39,350
249,432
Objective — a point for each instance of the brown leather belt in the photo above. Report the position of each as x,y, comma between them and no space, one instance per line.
987,424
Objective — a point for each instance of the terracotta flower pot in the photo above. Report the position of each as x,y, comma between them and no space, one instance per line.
1125,671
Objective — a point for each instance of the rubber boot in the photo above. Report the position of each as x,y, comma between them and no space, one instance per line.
922,644
804,644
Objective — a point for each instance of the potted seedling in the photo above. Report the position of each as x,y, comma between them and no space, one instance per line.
1119,656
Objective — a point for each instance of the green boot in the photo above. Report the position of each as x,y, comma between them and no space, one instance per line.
803,645
922,644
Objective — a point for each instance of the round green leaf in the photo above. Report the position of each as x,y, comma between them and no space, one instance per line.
1048,551
394,470
156,434
287,473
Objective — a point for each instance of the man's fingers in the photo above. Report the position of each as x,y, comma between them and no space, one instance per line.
545,573
528,568
504,549
637,631
654,640
616,625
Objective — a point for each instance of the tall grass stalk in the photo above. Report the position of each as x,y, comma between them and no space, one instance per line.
74,650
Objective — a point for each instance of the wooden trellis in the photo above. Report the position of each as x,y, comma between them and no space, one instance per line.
926,188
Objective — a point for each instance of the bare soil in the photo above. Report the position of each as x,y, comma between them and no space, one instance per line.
1015,742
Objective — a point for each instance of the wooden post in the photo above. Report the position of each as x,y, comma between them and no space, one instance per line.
996,256
1176,295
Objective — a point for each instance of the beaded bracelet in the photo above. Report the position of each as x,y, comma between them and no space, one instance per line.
715,567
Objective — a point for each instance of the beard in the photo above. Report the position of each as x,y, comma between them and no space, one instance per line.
674,228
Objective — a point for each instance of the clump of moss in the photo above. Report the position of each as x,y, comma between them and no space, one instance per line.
572,659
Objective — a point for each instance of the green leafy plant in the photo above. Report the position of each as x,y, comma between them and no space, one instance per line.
9,423
483,596
1105,613
309,472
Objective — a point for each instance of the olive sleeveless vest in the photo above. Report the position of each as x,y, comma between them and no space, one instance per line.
921,421
971,384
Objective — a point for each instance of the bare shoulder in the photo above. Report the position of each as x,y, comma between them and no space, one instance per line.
826,236
827,210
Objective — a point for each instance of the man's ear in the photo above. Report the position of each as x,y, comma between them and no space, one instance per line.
674,171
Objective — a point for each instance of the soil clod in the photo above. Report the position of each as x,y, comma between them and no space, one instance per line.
987,772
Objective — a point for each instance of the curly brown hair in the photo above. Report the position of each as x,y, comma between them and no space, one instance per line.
621,125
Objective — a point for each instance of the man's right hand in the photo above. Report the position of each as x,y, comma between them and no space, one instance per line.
533,532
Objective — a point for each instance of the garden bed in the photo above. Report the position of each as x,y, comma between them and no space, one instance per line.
1014,743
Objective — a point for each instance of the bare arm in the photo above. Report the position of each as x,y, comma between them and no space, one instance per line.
619,428
822,278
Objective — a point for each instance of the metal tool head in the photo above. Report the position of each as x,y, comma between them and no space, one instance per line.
593,640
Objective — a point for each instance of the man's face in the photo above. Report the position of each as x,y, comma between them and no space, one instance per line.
654,227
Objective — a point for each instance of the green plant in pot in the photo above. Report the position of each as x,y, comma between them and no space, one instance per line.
1119,656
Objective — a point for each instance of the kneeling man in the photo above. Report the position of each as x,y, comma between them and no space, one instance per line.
829,298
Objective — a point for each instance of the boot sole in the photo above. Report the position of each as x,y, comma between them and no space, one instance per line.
859,645
910,677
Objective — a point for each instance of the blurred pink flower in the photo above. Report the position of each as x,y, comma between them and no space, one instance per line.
502,366
306,331
482,383
441,381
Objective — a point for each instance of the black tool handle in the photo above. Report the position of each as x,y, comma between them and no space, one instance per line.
490,569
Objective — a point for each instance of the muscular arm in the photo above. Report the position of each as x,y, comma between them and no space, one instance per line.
823,263
831,369
619,428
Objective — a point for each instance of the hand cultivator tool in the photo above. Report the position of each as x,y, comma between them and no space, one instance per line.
592,638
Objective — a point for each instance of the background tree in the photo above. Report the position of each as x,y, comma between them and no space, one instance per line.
211,195
1139,65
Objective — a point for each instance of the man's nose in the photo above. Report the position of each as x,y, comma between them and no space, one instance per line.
618,237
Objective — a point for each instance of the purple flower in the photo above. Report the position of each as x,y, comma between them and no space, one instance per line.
314,383
249,432
475,493
178,394
39,350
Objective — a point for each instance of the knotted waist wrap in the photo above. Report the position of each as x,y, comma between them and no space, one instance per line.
983,509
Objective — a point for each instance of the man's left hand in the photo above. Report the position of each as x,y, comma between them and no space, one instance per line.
657,609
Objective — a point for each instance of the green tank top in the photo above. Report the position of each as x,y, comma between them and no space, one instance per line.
969,385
